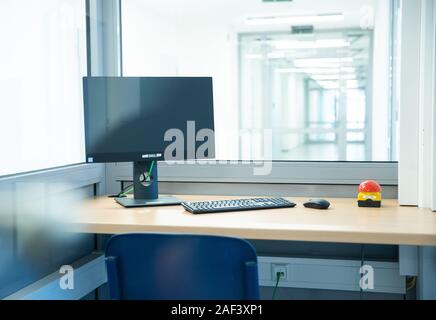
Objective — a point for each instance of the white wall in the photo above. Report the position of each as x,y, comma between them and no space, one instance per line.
409,102
427,148
417,167
150,42
433,205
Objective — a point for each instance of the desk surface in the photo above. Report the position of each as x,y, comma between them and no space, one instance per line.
344,222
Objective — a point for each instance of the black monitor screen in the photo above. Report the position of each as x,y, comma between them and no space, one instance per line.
136,119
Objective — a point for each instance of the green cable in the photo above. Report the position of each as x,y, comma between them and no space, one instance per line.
149,171
277,285
126,192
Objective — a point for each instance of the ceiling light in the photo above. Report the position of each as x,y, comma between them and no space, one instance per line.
326,72
288,70
310,70
317,44
296,20
313,61
329,84
320,70
333,77
272,55
276,55
319,65
333,85
348,70
254,56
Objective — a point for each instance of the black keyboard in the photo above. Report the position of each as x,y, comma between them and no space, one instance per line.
237,205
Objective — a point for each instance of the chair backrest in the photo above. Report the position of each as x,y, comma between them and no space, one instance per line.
181,267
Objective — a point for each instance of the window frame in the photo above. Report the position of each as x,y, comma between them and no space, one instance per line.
283,172
289,172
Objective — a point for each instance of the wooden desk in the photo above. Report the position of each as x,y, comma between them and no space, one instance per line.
343,223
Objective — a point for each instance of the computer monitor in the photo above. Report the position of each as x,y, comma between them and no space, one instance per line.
145,120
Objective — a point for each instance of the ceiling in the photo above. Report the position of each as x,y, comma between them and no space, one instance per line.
234,12
230,15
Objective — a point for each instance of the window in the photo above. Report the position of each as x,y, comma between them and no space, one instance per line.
316,74
313,99
43,60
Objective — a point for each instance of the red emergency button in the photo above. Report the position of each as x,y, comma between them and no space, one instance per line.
370,186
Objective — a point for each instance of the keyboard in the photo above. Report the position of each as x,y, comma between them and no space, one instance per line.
237,205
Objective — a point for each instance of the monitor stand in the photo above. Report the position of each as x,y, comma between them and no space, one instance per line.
146,193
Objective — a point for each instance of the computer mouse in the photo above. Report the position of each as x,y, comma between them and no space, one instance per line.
320,204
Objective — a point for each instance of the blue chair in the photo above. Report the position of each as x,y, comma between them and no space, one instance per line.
181,267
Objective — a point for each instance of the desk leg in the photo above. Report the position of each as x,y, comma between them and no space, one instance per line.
409,261
427,273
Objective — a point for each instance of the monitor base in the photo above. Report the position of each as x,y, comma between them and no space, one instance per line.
138,203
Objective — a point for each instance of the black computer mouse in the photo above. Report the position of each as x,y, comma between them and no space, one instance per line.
320,204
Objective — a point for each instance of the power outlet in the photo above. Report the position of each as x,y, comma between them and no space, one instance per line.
282,269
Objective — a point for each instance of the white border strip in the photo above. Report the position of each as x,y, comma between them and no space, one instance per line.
89,274
409,102
433,201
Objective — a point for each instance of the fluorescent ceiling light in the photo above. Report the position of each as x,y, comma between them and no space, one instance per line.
318,66
288,70
333,85
348,70
314,61
327,72
310,70
297,20
317,44
333,77
276,55
254,56
320,70
272,55
329,84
